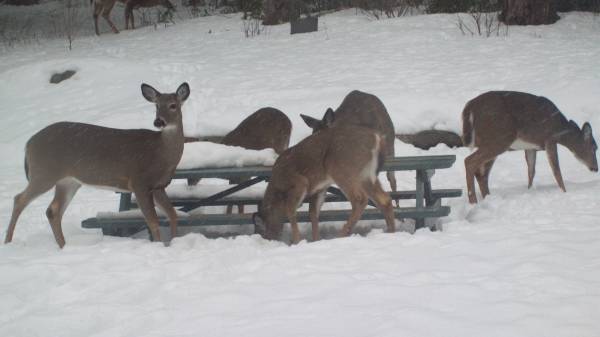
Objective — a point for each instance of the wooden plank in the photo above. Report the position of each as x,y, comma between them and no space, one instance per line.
391,164
402,195
109,224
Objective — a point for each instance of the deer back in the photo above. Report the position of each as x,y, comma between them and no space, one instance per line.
360,109
265,128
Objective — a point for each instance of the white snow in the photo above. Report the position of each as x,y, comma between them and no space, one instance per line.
207,154
520,263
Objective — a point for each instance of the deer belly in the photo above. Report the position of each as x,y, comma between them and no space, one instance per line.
520,144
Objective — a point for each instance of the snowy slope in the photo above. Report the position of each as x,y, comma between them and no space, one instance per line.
521,263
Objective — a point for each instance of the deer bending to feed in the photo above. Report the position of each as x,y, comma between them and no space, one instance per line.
360,109
67,155
265,128
498,121
130,5
348,156
104,7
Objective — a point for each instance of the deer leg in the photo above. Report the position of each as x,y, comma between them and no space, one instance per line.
63,194
383,202
146,203
96,24
294,200
106,16
359,202
391,177
32,191
314,208
473,165
229,209
240,208
530,156
163,202
552,154
482,176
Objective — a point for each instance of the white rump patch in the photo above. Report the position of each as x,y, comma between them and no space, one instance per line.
520,144
370,170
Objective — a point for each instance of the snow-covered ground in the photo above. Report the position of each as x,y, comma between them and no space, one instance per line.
521,263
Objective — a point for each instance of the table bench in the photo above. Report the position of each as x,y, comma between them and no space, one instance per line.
427,200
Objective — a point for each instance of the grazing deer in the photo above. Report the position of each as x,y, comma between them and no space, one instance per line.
67,155
498,121
132,4
104,7
265,128
348,156
361,109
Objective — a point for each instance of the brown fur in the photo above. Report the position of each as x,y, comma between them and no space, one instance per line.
499,118
67,155
339,155
360,109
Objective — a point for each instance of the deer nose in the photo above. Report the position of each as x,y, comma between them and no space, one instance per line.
160,123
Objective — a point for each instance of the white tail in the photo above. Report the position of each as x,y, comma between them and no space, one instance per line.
348,156
360,109
67,155
498,121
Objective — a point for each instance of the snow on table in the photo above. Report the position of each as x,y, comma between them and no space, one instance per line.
208,154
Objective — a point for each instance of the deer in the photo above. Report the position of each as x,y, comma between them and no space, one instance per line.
348,156
499,121
266,128
104,7
361,109
66,155
130,5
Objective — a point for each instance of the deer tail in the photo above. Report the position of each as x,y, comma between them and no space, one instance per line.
467,130
381,138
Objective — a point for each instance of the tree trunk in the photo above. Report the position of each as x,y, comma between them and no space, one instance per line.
529,12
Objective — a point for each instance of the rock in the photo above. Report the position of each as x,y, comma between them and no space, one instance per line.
59,77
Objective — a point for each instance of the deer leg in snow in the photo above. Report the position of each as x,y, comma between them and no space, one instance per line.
162,200
530,156
552,153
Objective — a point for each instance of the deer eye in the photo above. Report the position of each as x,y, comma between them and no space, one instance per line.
172,106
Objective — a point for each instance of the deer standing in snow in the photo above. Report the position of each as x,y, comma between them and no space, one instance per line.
104,7
265,128
130,5
360,109
498,121
66,155
348,156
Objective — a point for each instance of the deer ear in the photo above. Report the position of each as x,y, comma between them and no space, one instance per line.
311,122
149,93
587,130
573,124
328,118
183,92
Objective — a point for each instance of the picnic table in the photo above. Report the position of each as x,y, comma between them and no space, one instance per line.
428,201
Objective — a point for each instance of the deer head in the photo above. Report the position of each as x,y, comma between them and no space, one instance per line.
168,106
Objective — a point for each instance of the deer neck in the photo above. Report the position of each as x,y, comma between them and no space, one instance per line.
172,140
568,139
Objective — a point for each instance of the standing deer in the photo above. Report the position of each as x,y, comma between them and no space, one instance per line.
361,109
132,4
104,7
265,128
67,155
348,156
498,121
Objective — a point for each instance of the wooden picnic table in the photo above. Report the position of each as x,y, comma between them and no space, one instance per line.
427,200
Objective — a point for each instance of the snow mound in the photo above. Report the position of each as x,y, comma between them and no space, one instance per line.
207,154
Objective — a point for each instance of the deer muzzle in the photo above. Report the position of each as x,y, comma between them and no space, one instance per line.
160,123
